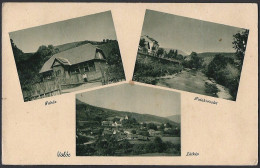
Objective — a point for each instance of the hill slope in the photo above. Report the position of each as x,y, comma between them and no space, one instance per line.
208,56
179,51
86,112
175,118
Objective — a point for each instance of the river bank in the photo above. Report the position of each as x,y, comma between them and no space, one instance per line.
192,81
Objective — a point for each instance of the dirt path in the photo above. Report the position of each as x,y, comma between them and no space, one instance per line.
83,86
223,92
192,81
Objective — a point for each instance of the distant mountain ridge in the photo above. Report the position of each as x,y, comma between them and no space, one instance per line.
179,51
208,56
175,118
85,111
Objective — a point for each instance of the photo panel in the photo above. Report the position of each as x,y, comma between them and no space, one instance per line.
128,120
190,55
67,56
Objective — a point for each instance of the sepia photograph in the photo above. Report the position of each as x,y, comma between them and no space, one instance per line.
190,55
128,120
67,56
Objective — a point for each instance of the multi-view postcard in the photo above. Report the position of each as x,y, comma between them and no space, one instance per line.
67,56
126,120
190,55
121,84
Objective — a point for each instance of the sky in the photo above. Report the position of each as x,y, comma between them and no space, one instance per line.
188,34
94,27
134,98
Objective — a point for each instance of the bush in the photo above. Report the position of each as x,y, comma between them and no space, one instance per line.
146,72
211,89
194,62
222,69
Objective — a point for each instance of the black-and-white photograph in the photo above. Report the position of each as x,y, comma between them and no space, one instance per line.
190,55
67,56
128,120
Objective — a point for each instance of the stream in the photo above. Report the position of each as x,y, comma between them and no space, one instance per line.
192,81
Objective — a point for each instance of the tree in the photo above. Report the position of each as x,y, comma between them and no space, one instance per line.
17,52
176,53
126,146
239,44
179,57
45,52
170,54
144,133
160,146
160,52
162,127
133,131
211,89
216,67
152,126
168,125
116,119
115,70
195,62
142,42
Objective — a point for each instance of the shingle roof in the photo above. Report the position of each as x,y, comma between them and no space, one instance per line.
150,38
63,61
73,56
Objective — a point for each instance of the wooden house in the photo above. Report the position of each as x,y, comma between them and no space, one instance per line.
71,65
151,44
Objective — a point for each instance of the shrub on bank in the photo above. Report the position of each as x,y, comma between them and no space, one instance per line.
147,72
211,88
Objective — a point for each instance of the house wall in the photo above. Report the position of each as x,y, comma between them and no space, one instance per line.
94,74
58,68
99,55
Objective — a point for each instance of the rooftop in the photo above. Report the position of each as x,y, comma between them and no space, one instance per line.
72,56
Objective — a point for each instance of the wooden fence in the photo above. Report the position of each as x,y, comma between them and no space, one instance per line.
54,86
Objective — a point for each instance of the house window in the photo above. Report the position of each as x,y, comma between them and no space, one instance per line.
75,70
85,68
58,72
91,66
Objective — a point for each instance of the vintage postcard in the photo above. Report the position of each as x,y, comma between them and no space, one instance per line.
191,55
129,84
108,124
67,56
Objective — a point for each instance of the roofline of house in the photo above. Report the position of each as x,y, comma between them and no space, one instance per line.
77,63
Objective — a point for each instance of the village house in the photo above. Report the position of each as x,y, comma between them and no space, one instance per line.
73,65
151,44
132,136
166,129
142,138
107,123
95,131
115,131
124,118
119,136
117,124
107,128
154,133
106,132
128,131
